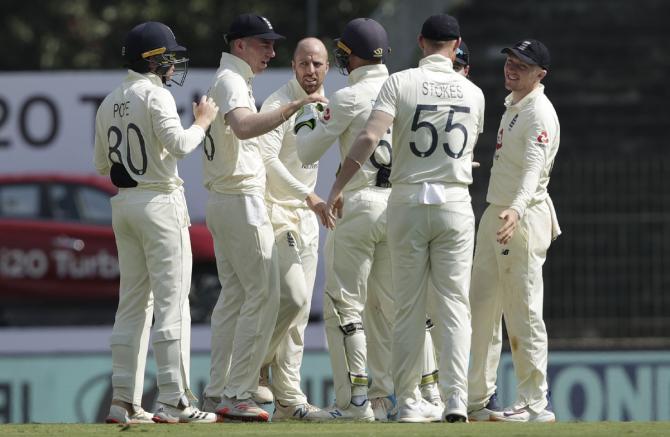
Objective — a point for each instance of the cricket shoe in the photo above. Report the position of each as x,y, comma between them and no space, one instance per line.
209,403
431,393
524,415
456,409
420,411
384,409
306,412
126,413
484,414
263,395
362,413
241,409
182,414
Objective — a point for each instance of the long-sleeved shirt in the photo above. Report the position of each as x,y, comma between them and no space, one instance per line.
137,125
344,117
289,181
528,139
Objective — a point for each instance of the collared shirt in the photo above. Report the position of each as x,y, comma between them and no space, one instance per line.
289,181
231,165
438,115
344,117
528,139
137,125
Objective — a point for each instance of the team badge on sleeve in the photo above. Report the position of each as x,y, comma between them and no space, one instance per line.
542,139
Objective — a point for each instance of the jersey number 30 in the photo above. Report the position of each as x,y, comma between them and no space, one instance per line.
416,124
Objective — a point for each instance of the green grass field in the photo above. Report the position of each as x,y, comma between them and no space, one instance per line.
608,429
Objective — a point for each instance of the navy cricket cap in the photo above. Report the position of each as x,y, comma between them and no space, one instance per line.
149,39
365,38
441,27
530,51
463,54
251,25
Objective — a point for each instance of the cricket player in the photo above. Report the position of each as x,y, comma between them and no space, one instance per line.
512,242
357,259
433,344
244,243
293,207
462,61
138,141
436,116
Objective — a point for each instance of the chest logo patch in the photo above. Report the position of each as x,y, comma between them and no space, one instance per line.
499,139
543,138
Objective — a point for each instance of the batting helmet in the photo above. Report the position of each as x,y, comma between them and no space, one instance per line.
151,46
365,38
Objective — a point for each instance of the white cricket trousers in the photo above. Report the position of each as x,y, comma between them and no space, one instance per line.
246,311
155,261
430,243
357,264
508,280
297,248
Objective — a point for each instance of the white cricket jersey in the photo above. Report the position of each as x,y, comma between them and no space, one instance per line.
231,165
137,125
438,115
344,118
526,146
289,181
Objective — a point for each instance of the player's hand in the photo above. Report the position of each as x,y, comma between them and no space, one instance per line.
205,111
313,98
319,207
334,208
510,220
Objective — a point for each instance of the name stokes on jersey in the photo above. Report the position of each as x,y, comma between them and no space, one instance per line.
449,90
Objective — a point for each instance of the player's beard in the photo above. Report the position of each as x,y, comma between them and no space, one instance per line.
309,86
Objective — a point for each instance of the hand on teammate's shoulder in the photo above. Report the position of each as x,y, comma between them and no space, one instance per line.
205,111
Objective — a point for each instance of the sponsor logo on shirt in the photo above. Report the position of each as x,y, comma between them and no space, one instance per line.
513,122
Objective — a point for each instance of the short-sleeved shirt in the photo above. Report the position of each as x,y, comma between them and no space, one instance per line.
232,165
527,143
137,125
438,115
289,181
344,118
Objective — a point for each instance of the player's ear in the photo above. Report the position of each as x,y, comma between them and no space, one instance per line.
541,74
420,41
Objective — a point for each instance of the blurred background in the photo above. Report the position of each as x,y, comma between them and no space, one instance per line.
606,278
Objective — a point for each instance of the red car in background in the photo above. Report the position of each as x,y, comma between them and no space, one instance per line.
58,259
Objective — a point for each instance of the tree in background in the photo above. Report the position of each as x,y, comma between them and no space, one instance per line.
88,34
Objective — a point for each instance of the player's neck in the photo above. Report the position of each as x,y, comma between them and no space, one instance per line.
518,95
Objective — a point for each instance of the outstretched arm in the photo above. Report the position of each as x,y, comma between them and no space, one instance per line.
248,124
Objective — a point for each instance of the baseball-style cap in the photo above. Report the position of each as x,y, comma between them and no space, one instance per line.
530,51
251,25
365,38
149,39
463,54
441,27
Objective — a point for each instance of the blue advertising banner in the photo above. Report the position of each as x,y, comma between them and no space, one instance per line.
586,386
